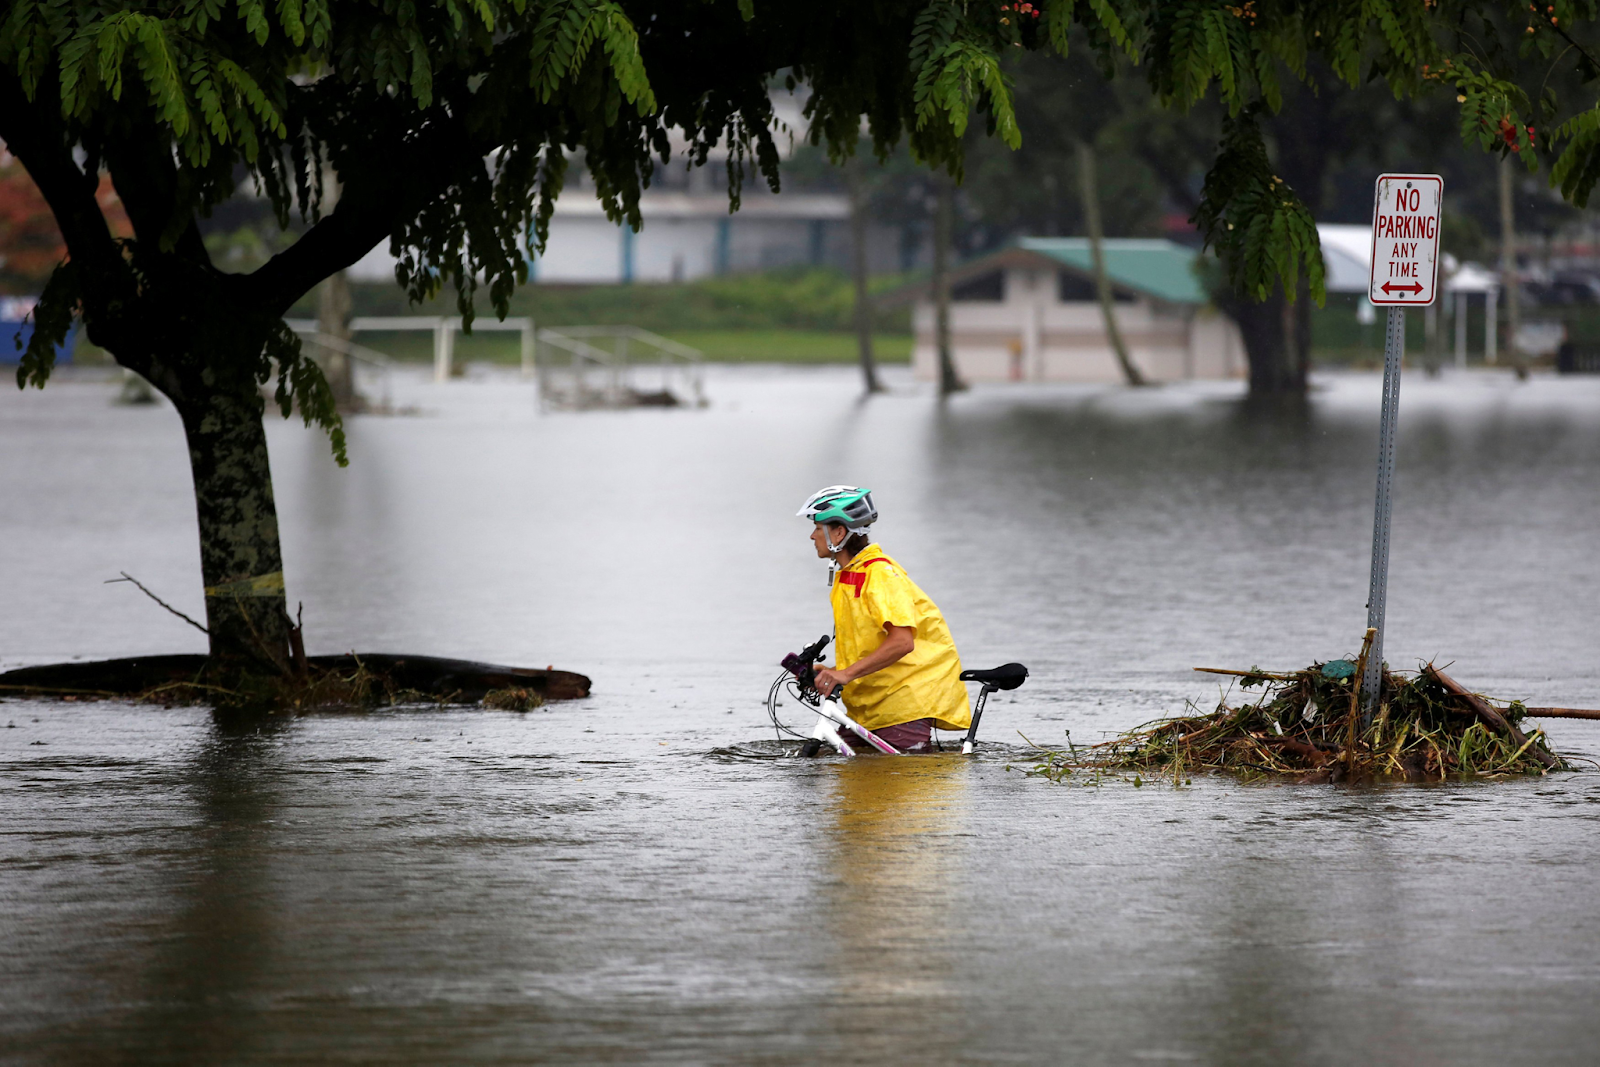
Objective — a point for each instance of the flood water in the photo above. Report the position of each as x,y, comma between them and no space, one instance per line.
637,878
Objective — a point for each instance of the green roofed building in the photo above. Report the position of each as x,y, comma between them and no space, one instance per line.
1028,312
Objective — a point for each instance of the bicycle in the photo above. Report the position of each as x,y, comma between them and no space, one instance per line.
799,679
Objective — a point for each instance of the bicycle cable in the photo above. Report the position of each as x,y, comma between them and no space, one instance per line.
793,689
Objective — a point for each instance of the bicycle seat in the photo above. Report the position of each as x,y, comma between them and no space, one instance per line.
1006,676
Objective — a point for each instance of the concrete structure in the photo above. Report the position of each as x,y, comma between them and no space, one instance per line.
1028,313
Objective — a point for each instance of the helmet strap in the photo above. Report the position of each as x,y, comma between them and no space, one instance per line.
834,566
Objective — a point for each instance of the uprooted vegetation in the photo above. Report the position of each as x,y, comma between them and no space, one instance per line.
1308,725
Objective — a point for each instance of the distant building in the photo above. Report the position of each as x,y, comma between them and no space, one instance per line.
690,234
1028,312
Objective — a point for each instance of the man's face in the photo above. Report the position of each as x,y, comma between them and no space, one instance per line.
819,538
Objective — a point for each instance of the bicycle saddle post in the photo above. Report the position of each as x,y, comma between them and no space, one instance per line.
1005,676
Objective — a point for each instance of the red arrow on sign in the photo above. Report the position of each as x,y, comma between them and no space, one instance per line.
1390,287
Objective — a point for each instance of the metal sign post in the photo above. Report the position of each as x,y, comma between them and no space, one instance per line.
1405,271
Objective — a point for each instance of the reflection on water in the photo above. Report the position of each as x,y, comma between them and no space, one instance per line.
897,889
207,964
644,877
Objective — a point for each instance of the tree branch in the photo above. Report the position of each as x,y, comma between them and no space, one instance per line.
146,177
1565,36
126,577
1174,177
374,203
34,135
354,227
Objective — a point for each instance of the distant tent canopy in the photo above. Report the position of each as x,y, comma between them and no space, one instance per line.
1347,257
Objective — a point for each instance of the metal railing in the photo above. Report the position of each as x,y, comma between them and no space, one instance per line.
444,330
578,367
361,354
583,367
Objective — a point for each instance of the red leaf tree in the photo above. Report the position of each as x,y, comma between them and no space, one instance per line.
30,242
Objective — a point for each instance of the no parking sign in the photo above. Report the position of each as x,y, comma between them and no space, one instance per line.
1405,270
1405,239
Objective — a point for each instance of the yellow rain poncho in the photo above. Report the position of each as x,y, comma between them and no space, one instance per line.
872,591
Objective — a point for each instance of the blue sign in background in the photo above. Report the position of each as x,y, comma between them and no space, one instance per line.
11,329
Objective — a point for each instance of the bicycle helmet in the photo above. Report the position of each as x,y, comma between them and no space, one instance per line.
848,505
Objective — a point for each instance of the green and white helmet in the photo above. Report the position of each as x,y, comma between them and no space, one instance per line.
848,505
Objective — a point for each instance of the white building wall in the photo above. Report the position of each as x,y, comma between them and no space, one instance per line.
590,250
1217,346
672,250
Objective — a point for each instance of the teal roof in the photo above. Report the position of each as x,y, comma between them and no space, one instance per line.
1153,266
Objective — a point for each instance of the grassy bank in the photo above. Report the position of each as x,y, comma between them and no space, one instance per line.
792,346
804,315
794,315
808,299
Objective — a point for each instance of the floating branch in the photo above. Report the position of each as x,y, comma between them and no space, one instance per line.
1563,713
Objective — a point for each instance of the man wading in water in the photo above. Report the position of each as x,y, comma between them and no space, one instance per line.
894,654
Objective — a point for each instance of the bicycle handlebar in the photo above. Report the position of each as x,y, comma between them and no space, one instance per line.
801,665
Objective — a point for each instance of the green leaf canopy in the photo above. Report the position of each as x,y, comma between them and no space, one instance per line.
450,124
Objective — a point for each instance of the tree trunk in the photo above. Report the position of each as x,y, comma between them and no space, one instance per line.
858,264
333,315
943,227
333,319
241,561
1299,340
1508,269
1276,339
1102,282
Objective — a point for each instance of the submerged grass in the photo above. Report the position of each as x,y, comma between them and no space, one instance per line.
512,699
307,690
1308,725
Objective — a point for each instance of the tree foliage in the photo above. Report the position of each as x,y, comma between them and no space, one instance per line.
451,124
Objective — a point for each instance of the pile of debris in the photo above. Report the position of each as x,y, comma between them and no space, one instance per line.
1310,725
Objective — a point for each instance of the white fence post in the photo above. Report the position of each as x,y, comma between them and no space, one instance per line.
444,337
1491,324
